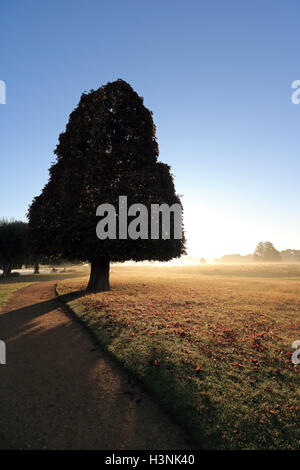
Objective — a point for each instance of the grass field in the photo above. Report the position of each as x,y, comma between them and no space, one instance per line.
213,343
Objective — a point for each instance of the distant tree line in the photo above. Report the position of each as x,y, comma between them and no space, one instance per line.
14,246
264,252
16,249
235,258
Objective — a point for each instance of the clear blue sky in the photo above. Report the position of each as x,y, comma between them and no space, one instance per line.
217,76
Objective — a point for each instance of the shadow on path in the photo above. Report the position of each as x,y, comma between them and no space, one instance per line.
59,391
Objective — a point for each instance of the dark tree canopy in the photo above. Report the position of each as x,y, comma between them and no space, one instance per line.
108,150
13,245
16,248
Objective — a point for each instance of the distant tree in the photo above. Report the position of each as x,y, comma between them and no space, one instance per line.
265,251
202,260
109,149
13,245
36,268
290,256
16,248
235,259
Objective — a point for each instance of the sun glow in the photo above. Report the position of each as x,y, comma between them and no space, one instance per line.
213,233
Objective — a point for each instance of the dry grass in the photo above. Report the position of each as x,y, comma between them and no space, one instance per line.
214,347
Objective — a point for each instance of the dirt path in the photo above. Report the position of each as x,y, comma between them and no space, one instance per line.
58,390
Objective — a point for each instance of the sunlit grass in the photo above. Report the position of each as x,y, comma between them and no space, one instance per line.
215,349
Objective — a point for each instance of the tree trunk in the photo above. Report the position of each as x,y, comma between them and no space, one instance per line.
36,269
6,269
99,277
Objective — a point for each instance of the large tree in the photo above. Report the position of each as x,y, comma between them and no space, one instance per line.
108,150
